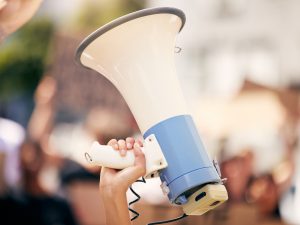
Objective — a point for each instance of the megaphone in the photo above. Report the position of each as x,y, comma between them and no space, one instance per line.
136,53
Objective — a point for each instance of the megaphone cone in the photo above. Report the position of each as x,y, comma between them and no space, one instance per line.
136,53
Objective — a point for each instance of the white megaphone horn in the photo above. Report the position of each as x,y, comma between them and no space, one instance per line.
136,53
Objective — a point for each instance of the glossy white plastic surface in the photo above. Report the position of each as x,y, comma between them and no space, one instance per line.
138,58
104,155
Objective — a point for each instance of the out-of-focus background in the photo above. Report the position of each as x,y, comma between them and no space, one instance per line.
240,73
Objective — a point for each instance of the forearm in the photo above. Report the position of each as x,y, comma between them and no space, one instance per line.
115,183
40,122
116,209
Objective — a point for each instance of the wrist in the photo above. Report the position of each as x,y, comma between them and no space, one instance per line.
115,205
112,192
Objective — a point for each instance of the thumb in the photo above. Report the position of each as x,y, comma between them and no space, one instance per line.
139,167
140,160
132,173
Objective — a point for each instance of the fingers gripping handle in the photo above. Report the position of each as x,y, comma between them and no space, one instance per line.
104,155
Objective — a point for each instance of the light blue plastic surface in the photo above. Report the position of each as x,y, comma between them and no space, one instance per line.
188,162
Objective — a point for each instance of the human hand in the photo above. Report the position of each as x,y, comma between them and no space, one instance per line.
114,181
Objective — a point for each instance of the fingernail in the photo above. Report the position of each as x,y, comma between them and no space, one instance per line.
123,152
137,146
129,145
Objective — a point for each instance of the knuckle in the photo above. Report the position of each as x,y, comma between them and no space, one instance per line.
121,141
112,141
122,144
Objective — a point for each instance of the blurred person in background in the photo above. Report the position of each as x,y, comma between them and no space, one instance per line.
268,186
34,196
79,180
238,170
53,209
13,14
259,170
263,192
34,202
64,168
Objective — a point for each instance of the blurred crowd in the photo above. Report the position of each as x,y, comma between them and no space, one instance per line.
44,178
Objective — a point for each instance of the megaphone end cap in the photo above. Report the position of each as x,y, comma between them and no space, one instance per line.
141,13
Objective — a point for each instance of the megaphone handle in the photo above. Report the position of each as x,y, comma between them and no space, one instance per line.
104,155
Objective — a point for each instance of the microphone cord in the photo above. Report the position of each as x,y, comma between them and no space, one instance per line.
169,221
136,214
138,197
